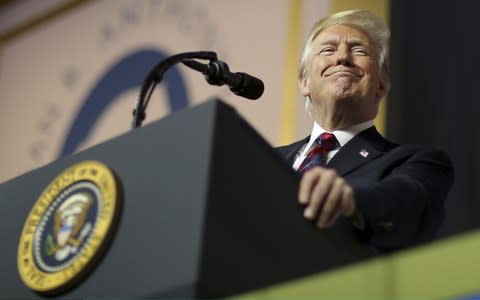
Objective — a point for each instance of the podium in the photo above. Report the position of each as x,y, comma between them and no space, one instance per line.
209,210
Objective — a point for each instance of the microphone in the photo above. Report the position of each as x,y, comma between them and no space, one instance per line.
217,73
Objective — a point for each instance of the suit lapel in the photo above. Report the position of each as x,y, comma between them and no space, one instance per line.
290,152
364,147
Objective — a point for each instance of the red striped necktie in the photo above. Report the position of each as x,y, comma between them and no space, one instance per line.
325,143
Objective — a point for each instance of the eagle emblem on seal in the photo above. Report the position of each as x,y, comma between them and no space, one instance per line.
70,227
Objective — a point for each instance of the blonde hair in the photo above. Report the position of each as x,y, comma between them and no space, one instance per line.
366,21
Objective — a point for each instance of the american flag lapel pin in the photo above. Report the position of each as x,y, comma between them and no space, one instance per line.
364,153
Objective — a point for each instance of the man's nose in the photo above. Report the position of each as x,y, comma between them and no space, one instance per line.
344,57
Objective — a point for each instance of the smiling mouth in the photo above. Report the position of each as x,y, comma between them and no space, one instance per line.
343,73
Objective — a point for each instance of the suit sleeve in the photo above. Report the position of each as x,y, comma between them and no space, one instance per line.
406,205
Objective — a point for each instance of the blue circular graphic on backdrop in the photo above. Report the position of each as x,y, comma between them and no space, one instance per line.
129,72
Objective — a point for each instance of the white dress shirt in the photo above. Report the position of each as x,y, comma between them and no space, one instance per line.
343,136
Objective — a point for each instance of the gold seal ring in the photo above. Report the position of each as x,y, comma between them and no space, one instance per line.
68,227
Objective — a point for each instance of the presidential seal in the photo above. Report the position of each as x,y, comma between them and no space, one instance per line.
68,227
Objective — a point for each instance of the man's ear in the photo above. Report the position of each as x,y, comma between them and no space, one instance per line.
303,84
381,90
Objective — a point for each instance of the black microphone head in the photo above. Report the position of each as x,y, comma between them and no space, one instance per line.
251,87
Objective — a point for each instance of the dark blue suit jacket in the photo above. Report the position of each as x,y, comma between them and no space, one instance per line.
399,189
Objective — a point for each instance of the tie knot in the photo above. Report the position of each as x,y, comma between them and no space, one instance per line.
318,155
327,141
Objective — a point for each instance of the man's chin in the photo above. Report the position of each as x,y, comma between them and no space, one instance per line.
342,94
344,85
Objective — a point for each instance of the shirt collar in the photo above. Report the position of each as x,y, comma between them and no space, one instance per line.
343,135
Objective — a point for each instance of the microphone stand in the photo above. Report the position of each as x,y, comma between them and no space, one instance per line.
155,77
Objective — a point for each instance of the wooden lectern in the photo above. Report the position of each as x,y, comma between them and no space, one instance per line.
209,210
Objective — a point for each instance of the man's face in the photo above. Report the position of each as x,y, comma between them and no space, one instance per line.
343,70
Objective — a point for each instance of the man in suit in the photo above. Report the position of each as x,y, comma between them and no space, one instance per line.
391,194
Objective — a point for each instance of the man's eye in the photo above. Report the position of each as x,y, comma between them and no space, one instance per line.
360,51
327,51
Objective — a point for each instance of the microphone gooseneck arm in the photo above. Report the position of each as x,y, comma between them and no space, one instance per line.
216,72
156,75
